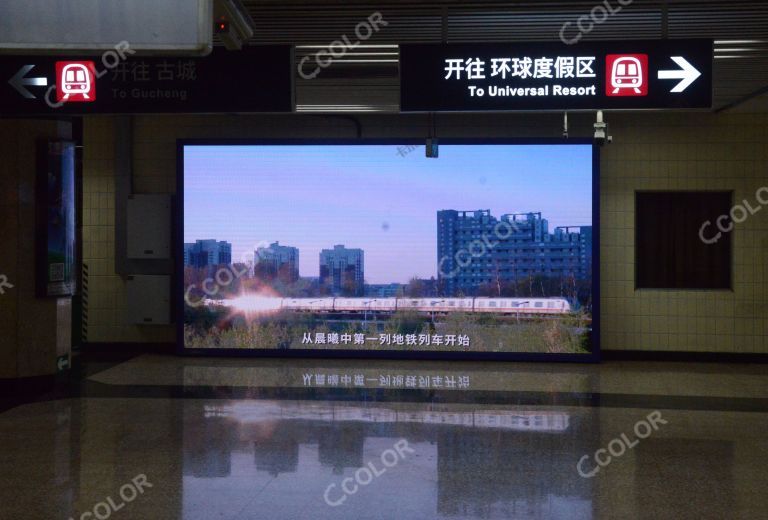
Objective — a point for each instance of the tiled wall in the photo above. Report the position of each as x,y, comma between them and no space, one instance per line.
690,152
650,151
33,330
106,290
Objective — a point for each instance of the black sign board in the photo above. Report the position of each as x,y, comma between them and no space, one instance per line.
254,79
555,76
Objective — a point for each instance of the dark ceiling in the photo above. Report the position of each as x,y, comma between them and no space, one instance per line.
367,79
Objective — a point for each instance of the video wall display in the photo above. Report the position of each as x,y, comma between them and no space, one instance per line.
486,251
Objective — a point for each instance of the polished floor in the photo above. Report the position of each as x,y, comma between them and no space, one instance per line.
156,437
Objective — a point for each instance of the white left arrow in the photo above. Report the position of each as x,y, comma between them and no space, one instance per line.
688,74
19,82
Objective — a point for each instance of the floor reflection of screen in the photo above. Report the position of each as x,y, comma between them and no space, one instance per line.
378,248
514,463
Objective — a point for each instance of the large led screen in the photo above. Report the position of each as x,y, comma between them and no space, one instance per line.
335,248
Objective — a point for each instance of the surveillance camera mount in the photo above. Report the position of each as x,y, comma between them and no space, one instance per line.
565,125
431,148
601,130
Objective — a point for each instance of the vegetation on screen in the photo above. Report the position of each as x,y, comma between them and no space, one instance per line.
219,326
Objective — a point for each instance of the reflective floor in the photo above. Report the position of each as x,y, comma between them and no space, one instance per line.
173,438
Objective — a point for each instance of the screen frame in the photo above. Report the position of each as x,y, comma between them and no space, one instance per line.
178,247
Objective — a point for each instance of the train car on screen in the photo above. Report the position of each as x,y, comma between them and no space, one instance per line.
534,306
365,304
435,304
308,304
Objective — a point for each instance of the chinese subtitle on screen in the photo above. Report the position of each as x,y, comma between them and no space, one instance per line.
333,338
447,381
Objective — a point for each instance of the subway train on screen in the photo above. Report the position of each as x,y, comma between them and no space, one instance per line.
512,306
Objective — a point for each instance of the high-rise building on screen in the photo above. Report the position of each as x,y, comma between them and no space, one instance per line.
475,248
342,271
277,261
205,253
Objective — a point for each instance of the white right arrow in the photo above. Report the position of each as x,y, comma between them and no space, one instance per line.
688,74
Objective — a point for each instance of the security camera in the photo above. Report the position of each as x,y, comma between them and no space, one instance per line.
232,23
601,130
601,134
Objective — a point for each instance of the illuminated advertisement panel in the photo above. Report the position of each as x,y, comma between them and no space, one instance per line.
56,241
372,248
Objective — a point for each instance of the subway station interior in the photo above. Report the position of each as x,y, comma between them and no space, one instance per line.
430,259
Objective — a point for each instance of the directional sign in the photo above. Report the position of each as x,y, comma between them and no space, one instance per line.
20,80
553,76
687,74
255,79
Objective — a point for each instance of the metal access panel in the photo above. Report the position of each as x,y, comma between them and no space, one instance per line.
60,26
148,300
149,227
